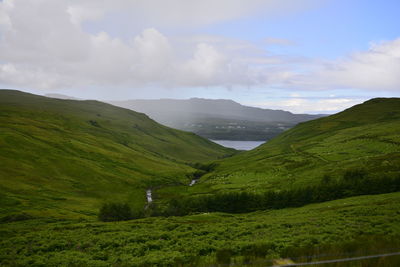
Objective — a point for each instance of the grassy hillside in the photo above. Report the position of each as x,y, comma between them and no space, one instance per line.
65,157
357,226
365,137
61,159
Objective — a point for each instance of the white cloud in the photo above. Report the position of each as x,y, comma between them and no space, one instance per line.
184,13
375,69
78,14
40,33
153,56
43,45
304,105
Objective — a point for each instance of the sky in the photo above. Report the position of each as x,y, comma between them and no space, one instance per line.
305,56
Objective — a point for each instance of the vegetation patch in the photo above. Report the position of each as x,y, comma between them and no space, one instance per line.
364,225
353,183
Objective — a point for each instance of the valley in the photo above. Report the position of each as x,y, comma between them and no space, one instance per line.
64,158
166,197
186,133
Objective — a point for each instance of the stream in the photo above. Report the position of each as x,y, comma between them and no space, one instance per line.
149,196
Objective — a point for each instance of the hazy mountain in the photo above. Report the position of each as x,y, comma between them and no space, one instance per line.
171,110
217,119
61,96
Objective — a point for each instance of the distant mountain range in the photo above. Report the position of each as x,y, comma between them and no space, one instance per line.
219,118
171,110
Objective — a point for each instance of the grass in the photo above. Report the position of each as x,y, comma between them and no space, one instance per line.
341,228
61,159
365,136
64,158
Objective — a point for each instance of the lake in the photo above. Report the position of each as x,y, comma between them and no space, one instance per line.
239,145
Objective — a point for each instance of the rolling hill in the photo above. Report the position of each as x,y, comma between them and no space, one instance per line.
65,157
62,158
362,138
217,119
365,136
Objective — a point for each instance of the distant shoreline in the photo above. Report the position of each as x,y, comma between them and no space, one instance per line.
239,145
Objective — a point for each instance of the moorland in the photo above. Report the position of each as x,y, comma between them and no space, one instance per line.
327,188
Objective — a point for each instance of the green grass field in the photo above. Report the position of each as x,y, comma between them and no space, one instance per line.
364,137
356,226
64,158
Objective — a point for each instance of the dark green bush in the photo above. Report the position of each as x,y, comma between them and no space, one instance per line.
223,256
354,175
110,212
16,218
353,183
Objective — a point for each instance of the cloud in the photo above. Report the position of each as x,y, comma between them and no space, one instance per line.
184,13
378,68
298,104
43,44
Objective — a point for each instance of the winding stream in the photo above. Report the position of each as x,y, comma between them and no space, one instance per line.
149,193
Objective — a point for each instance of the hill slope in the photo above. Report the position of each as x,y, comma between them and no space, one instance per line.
69,156
364,137
217,119
82,158
358,226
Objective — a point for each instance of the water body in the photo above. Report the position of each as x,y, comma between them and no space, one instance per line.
239,145
149,196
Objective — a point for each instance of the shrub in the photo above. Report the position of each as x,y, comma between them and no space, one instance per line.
354,175
110,212
16,218
353,183
223,256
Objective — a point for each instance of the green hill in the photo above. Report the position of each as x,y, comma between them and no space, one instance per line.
65,157
365,137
